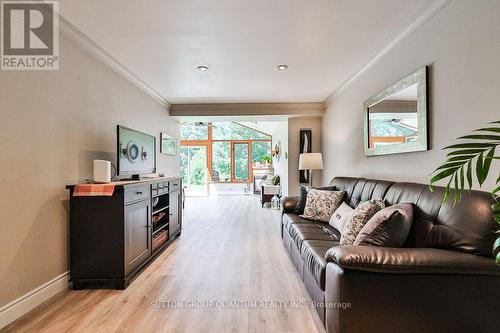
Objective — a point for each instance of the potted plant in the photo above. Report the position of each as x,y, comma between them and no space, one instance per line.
468,160
266,160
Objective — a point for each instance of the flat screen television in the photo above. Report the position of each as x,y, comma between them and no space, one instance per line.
136,153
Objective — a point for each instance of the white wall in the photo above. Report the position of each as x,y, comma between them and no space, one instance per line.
461,44
52,125
280,134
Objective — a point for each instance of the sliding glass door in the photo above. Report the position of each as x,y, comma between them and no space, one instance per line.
194,169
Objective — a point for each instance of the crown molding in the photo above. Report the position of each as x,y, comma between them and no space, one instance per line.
428,11
248,109
73,33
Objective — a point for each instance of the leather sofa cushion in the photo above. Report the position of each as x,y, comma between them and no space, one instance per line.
300,232
468,227
313,253
360,189
289,218
391,260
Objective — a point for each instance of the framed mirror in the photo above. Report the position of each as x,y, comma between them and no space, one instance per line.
395,120
168,144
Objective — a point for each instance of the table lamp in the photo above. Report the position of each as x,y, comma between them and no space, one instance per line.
309,162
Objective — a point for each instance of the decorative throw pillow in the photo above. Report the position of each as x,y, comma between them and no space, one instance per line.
358,219
340,216
301,204
388,227
321,204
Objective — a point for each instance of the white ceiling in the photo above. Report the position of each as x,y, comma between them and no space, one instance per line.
324,43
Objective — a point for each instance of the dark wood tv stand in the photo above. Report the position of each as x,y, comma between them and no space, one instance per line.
113,237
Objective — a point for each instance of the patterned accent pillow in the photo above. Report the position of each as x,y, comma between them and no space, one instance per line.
301,204
320,204
358,219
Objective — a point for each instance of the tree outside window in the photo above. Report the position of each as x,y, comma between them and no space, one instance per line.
261,151
221,160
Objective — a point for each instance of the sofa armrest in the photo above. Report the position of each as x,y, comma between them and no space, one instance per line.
288,204
410,260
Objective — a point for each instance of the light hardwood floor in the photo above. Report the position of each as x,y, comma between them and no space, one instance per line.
230,250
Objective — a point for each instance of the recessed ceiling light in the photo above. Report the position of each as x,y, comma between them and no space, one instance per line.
202,68
282,67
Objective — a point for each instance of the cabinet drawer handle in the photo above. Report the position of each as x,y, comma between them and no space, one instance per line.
139,192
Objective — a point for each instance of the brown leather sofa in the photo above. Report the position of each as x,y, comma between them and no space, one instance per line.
444,279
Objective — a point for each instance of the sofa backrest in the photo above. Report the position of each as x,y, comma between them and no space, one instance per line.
469,227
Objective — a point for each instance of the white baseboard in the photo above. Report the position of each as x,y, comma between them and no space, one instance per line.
29,301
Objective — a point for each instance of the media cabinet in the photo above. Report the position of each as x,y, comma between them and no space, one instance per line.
113,237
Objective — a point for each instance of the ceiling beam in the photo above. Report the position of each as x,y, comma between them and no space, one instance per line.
248,109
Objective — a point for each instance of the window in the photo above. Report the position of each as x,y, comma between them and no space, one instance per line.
232,150
221,161
241,167
194,132
235,131
261,151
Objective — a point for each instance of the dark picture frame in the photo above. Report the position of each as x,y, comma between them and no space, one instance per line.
305,146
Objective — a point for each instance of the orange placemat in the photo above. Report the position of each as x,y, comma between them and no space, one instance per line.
94,190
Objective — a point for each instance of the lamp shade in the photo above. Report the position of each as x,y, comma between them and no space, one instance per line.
311,161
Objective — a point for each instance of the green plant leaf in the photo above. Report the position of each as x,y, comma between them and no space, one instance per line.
461,158
462,180
496,192
466,151
496,211
459,166
443,174
447,191
487,163
471,145
469,174
479,167
488,129
481,137
456,198
450,165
